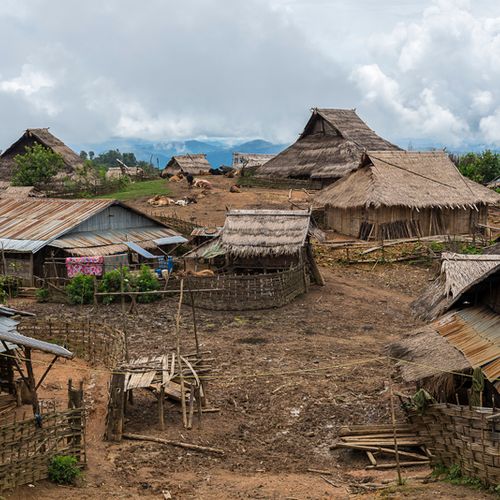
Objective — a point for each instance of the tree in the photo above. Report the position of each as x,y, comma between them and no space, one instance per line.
83,155
91,155
36,166
483,167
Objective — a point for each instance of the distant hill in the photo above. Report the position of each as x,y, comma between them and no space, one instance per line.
218,152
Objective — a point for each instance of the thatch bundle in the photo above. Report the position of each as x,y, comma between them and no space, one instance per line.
330,147
458,274
250,233
415,180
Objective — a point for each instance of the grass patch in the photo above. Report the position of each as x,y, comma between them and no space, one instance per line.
139,189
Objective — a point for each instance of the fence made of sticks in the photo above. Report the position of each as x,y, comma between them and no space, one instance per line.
239,292
26,449
183,226
463,436
97,343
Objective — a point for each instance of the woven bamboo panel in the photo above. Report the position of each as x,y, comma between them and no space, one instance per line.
99,344
26,449
234,292
457,435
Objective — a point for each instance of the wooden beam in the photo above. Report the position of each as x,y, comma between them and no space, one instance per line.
45,373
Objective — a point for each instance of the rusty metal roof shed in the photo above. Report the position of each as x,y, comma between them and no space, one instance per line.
29,225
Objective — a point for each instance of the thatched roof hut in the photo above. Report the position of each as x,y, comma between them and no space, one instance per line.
397,194
38,136
251,233
330,147
459,275
195,164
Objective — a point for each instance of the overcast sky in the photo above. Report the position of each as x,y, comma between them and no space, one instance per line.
164,69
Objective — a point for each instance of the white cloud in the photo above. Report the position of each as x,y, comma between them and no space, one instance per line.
437,77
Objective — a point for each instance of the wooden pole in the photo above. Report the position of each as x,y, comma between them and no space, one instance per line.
161,410
31,382
195,328
179,361
394,432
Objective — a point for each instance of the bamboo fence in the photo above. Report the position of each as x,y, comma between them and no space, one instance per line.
27,449
96,343
459,435
236,292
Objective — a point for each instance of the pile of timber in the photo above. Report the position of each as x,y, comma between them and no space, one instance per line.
377,441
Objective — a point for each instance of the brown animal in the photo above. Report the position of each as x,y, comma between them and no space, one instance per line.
176,178
205,273
202,183
234,189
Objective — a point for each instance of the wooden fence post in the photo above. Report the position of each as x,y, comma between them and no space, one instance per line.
116,404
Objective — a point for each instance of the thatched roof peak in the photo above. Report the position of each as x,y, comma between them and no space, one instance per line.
406,178
250,233
192,163
330,147
49,140
459,274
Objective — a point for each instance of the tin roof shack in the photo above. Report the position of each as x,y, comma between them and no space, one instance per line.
329,148
192,164
32,230
41,136
400,194
463,305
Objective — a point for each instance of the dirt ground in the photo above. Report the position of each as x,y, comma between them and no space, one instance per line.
284,381
211,207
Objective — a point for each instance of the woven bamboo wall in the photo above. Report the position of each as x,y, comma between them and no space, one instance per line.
458,435
26,450
99,344
233,292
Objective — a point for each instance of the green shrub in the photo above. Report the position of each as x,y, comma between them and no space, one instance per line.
42,295
63,469
146,281
80,289
111,282
9,286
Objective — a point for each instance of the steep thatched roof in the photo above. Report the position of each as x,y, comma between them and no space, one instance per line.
47,139
250,233
330,147
404,178
193,164
459,273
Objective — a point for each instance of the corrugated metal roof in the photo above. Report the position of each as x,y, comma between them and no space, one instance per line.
170,240
475,331
115,237
136,248
27,224
21,340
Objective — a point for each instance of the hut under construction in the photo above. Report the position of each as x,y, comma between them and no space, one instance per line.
36,231
193,164
463,305
329,148
250,160
43,136
401,194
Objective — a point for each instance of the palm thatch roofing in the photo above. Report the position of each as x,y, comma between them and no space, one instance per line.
190,163
459,274
330,147
251,233
50,141
408,179
424,353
